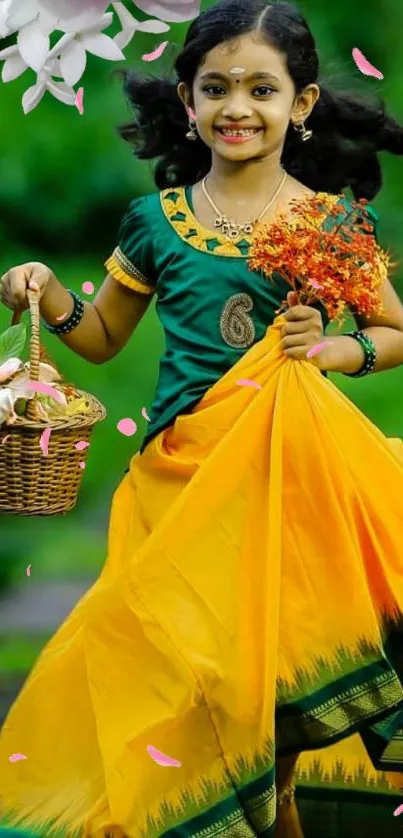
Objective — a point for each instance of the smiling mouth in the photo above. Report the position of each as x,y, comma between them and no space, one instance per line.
238,132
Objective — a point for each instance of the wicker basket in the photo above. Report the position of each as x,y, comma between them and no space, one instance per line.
30,482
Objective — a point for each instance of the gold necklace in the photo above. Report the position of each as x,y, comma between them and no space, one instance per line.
228,226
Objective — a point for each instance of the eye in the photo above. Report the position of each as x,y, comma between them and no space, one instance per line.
267,90
212,89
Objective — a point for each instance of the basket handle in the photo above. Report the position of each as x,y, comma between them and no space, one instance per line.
36,351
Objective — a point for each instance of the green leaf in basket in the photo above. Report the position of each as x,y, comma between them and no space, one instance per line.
20,406
12,342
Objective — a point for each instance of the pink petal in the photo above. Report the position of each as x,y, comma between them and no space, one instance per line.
79,100
88,287
16,757
82,464
364,66
41,387
191,113
399,810
44,440
315,284
5,438
81,445
318,348
62,316
29,570
144,413
249,383
162,759
127,427
151,56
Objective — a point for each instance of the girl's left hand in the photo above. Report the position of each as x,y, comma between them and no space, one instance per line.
303,329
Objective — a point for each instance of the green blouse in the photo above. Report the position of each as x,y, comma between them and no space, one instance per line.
211,306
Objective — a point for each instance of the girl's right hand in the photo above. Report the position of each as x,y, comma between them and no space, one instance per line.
17,281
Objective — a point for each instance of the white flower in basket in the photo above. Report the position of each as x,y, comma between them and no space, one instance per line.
14,376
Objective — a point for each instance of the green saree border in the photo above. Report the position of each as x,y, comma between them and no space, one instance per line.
234,816
371,695
373,685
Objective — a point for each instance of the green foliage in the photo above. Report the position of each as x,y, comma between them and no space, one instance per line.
65,180
12,342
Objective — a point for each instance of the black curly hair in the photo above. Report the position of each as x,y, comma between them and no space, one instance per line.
348,132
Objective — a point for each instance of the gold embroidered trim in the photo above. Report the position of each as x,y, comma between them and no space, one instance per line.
177,211
120,267
179,214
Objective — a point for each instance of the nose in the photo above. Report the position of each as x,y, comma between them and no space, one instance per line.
236,107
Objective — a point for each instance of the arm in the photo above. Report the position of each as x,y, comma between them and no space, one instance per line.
345,355
107,323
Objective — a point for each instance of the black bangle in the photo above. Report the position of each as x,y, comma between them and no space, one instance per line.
369,348
72,322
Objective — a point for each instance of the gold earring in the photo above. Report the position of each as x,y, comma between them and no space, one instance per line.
304,133
192,133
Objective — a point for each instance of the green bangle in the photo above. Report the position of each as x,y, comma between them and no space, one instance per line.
369,351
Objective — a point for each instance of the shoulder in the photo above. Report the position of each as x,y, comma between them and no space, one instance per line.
355,208
143,205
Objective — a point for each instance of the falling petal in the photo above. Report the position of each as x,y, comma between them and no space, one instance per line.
399,810
88,287
16,757
364,66
315,284
29,570
127,427
162,759
44,441
81,445
62,316
144,413
248,382
152,56
80,100
5,438
82,464
41,387
192,113
318,348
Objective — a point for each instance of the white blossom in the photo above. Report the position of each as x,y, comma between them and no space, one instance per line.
81,24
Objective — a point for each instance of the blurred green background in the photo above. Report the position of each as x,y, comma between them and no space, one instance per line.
65,181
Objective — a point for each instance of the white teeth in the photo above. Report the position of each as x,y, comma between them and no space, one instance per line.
241,133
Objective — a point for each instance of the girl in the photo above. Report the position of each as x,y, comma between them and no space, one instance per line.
217,632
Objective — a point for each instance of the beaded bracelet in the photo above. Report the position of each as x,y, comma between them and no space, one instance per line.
369,348
74,319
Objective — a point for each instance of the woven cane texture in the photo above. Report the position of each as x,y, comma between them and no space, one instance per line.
32,483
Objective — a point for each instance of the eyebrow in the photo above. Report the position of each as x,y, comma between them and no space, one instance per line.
259,75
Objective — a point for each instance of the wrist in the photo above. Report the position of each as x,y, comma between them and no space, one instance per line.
343,354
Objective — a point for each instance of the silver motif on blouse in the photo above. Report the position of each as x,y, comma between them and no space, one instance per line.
236,326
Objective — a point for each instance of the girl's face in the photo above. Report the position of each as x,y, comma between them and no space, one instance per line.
244,84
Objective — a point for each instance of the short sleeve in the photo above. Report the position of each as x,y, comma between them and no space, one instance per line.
132,261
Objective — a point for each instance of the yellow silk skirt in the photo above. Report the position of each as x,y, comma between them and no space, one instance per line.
250,607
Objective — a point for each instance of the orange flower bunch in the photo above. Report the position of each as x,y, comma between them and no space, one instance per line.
339,267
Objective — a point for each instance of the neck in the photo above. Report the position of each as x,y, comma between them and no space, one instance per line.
238,181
